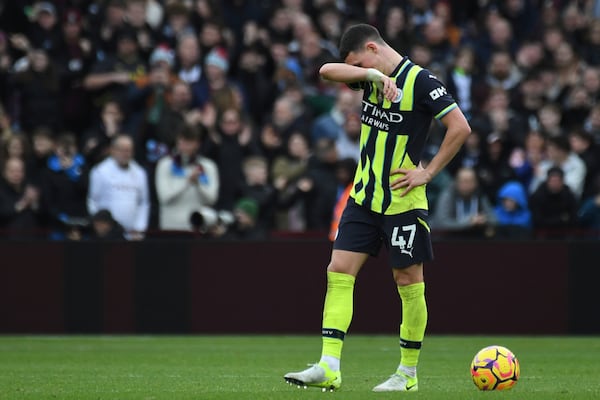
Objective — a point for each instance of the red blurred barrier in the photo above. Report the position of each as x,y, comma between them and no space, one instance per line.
202,286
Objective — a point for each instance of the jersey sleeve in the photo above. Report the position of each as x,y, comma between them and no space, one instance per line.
431,94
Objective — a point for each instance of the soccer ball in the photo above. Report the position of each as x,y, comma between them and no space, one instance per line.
495,368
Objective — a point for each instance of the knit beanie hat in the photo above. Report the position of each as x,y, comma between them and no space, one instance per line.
218,58
247,205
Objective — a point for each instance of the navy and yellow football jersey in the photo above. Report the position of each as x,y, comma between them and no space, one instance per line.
393,135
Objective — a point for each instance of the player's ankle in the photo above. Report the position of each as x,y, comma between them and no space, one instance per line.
332,362
411,372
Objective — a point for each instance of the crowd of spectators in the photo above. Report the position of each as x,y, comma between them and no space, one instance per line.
138,118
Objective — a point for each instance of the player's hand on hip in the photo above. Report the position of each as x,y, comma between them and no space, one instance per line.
409,179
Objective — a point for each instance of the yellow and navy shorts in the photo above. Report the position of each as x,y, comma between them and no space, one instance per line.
406,236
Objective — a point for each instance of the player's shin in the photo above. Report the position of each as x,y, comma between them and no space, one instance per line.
337,315
412,329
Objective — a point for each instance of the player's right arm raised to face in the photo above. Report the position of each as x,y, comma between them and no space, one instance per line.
346,73
342,72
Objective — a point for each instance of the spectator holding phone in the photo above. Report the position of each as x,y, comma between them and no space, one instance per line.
187,185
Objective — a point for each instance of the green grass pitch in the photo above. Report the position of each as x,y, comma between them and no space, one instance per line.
252,367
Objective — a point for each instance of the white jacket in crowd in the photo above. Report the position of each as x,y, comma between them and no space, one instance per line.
179,197
122,191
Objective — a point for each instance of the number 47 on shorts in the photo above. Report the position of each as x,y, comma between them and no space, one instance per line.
404,238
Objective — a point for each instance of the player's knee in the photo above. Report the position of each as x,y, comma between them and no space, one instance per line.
336,266
405,280
346,262
408,276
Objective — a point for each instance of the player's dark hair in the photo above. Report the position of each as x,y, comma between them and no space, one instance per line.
356,36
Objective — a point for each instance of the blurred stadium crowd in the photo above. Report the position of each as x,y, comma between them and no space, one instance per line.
150,118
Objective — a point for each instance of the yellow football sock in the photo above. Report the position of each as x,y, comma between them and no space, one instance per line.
414,321
337,312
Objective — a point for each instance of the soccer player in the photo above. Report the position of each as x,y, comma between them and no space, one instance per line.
387,203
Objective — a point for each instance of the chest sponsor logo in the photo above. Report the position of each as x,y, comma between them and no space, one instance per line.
372,115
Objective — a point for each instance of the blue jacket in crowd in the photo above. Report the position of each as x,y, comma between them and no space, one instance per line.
521,216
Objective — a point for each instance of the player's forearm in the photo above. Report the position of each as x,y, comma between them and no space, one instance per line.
447,151
341,72
458,130
451,144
